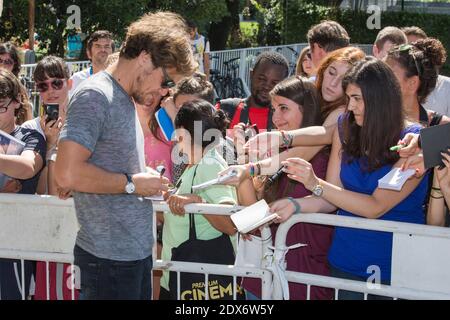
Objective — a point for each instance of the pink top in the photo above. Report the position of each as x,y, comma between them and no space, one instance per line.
158,153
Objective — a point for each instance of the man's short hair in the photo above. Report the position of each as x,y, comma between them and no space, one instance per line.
97,35
274,58
51,67
329,35
414,31
392,34
164,36
196,85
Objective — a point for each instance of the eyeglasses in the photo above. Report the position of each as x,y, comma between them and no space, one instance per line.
4,108
407,48
167,82
56,84
6,62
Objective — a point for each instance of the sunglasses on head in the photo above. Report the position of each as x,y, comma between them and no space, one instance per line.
407,48
43,86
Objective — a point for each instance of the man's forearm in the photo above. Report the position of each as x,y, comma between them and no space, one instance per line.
88,178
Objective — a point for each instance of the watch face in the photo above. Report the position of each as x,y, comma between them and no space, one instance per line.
317,191
130,188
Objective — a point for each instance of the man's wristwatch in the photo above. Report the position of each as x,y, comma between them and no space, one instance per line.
130,187
317,190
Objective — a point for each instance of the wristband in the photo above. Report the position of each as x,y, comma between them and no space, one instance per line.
252,170
298,208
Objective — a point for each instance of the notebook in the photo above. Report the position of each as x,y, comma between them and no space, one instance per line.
433,141
253,217
11,146
395,179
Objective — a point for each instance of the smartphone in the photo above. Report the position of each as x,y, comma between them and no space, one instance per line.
52,111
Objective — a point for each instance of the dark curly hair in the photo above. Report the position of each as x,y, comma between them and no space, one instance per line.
422,58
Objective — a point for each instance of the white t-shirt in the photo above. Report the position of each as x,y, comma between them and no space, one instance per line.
200,46
439,98
34,124
77,78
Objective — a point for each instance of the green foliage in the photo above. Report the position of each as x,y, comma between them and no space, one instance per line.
270,18
249,31
201,11
112,15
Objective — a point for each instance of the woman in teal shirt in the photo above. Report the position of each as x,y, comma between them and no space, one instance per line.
196,123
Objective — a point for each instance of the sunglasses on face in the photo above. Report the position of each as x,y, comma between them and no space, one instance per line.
167,82
56,84
6,62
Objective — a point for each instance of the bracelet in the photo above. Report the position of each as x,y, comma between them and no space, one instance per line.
287,139
298,208
438,197
252,170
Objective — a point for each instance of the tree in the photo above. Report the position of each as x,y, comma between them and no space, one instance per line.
112,15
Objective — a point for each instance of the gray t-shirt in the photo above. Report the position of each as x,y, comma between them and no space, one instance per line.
102,118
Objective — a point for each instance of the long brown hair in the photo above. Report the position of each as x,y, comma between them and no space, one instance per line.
303,93
383,115
10,87
350,55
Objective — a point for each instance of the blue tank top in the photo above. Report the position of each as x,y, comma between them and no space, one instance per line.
355,250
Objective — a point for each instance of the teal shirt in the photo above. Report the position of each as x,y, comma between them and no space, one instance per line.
176,228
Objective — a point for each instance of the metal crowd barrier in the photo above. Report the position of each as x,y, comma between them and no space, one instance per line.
43,228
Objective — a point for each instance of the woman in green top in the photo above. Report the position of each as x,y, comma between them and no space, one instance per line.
204,164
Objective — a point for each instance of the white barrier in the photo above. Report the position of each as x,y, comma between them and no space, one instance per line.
43,228
420,259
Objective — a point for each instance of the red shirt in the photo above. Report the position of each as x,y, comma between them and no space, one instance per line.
256,116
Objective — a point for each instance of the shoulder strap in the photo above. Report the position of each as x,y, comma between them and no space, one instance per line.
423,116
229,106
192,230
245,118
269,119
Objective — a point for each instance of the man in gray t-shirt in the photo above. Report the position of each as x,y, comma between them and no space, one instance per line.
100,158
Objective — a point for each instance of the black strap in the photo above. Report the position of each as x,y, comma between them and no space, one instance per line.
245,118
435,119
229,106
192,230
423,116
